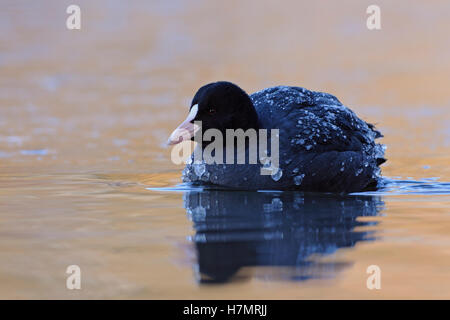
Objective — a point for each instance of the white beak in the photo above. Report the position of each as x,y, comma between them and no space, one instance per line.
186,130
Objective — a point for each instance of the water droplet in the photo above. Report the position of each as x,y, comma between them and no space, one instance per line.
308,147
185,175
277,174
379,150
299,179
205,176
199,169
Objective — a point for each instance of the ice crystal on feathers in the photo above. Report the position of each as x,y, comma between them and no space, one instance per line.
277,174
199,168
299,179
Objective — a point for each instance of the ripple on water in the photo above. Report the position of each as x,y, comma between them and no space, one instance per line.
38,152
425,186
391,186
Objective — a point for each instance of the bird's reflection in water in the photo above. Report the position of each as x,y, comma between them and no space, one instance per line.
284,231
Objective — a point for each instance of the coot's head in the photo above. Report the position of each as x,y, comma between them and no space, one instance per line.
220,105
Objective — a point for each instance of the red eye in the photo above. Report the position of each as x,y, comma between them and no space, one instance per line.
211,111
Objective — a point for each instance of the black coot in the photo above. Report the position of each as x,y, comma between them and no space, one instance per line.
323,145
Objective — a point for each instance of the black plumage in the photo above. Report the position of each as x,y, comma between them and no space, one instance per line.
323,145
